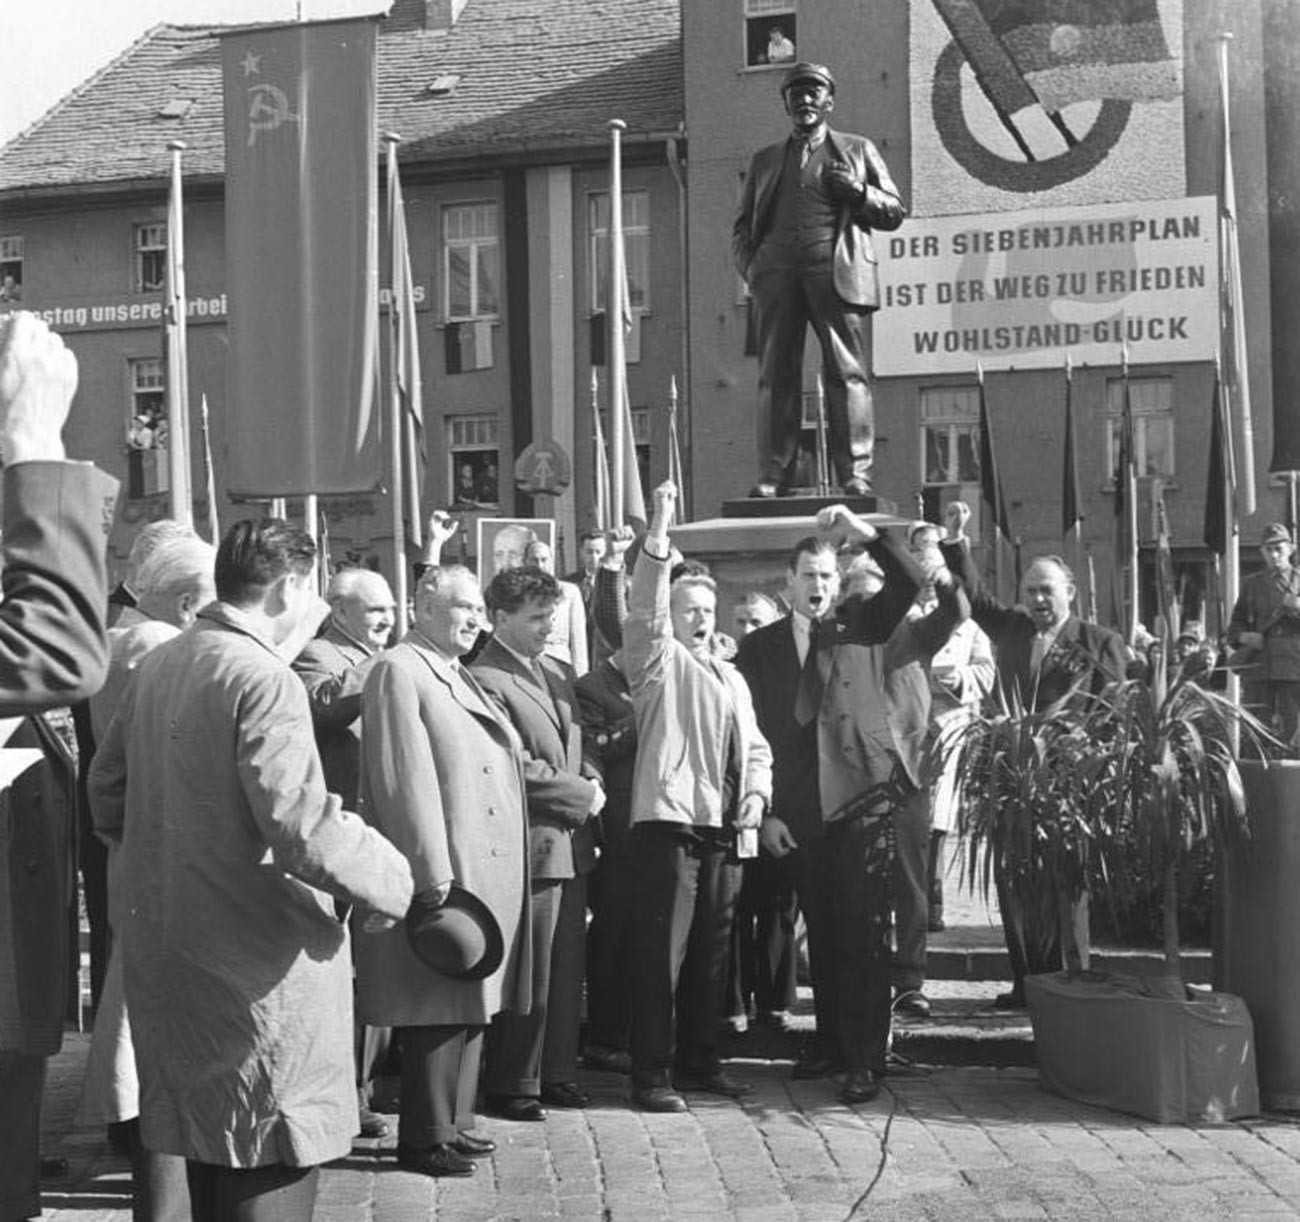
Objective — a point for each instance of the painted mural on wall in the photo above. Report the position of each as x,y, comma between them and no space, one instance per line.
1045,103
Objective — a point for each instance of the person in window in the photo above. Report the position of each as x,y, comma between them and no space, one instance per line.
780,50
466,492
487,489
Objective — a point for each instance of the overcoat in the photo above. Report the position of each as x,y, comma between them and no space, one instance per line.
238,977
442,777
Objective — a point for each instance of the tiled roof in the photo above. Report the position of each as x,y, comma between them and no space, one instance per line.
534,74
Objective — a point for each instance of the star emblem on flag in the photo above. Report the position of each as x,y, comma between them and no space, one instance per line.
251,63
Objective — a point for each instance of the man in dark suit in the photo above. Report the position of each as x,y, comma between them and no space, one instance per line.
53,652
802,242
333,668
532,1059
844,702
1043,651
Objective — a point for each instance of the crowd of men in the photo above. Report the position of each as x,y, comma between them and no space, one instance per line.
335,855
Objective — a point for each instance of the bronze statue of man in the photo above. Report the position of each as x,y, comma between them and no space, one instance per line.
802,242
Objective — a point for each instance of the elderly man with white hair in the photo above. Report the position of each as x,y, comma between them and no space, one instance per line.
172,584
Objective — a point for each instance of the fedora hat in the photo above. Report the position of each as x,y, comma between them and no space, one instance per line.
459,939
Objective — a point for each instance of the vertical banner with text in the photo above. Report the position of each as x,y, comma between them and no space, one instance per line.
302,258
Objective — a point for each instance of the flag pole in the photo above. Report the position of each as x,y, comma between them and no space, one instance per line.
180,502
1074,531
1229,236
601,463
675,471
391,141
995,538
614,316
1129,475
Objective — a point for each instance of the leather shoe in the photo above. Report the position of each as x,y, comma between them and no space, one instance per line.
469,1146
658,1099
936,924
606,1060
861,1086
712,1082
1014,999
763,491
514,1107
911,1003
564,1094
438,1160
373,1125
810,1068
856,486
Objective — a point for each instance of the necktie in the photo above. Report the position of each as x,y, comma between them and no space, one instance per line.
808,699
1037,652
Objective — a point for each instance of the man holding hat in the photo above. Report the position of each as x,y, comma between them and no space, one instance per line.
1266,621
442,778
802,243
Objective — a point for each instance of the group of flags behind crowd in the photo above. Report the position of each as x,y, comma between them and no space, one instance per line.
304,402
1230,487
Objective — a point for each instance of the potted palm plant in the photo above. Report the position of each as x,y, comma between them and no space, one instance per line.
1088,792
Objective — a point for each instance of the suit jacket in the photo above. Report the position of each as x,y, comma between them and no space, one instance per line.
1083,655
52,652
1268,605
561,833
856,278
870,652
442,777
333,668
609,732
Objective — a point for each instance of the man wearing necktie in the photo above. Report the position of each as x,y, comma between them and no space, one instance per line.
802,243
532,1059
842,695
1043,651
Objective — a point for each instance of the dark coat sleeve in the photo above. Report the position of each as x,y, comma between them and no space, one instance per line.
52,645
872,621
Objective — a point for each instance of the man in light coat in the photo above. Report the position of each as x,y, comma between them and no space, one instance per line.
442,777
703,774
238,978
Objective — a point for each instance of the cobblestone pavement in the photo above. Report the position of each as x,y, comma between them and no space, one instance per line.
956,1143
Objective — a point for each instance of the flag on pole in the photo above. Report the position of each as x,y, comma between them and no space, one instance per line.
1220,483
601,464
633,507
405,354
1232,313
1168,604
209,476
1071,512
1126,512
302,245
175,313
675,470
995,523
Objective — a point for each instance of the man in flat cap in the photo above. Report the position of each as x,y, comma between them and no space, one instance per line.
1266,622
802,242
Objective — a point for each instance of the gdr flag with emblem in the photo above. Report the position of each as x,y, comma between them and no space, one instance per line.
301,258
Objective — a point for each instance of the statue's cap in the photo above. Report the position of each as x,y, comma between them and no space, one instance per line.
804,71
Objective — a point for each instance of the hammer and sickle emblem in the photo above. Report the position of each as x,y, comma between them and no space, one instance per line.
267,110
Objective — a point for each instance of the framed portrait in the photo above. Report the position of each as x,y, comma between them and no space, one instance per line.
500,542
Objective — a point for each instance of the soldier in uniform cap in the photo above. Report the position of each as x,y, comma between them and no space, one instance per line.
802,242
1265,625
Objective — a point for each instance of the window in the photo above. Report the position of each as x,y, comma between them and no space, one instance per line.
471,262
146,429
11,269
473,454
636,245
950,417
1152,400
150,258
770,32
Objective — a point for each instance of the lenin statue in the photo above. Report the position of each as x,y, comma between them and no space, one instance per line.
802,242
